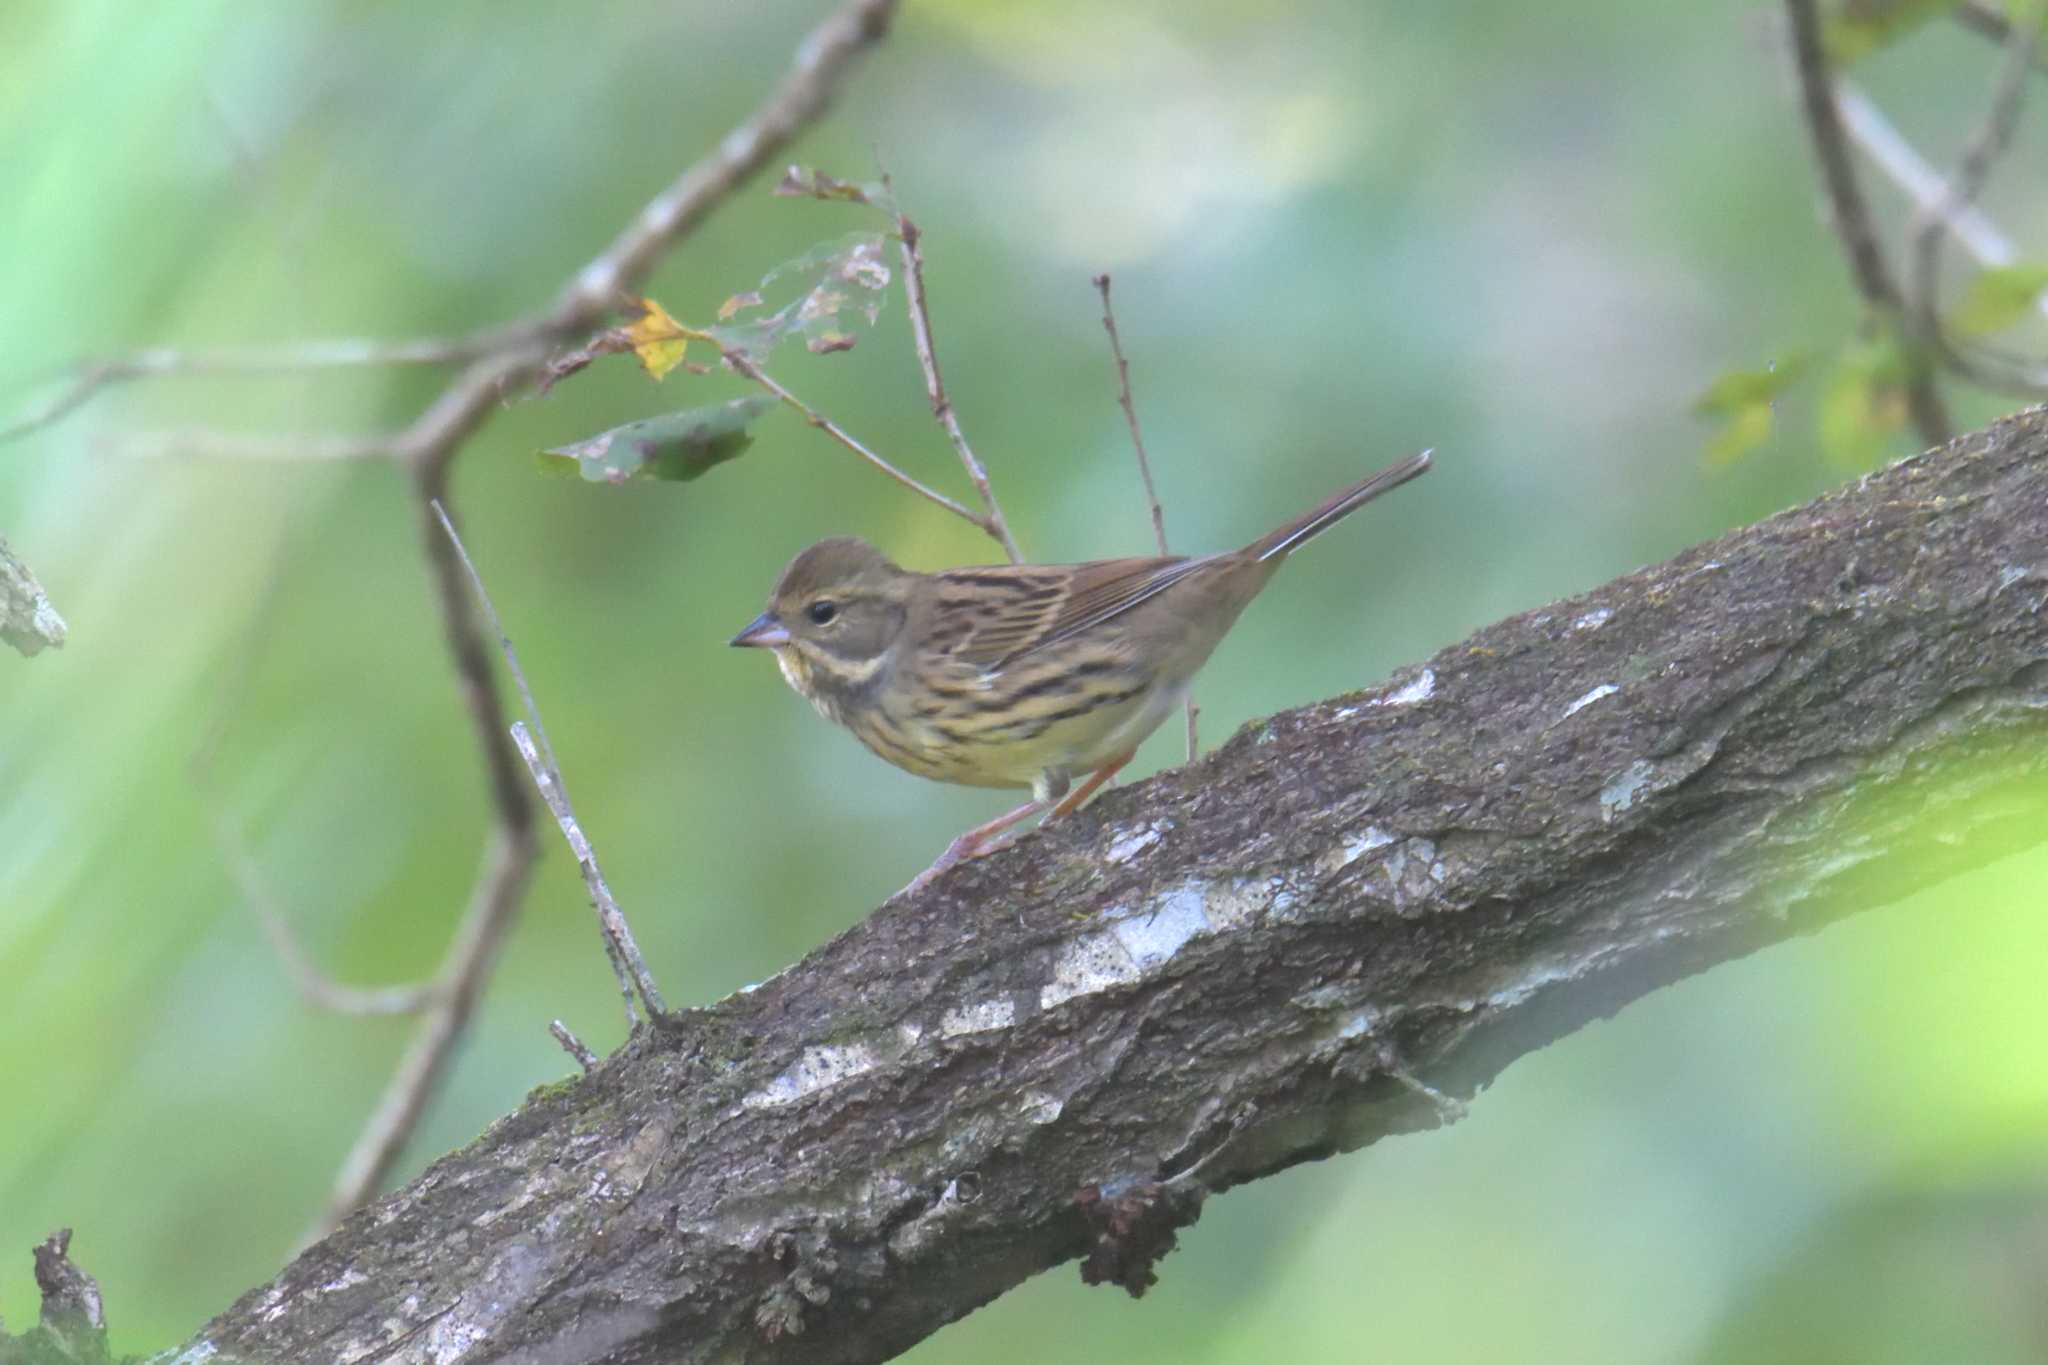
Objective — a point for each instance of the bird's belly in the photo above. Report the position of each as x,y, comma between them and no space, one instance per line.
1072,745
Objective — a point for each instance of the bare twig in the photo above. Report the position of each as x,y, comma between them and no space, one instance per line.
1851,216
627,962
203,443
747,369
1123,398
88,379
573,1045
1930,227
1990,20
942,407
27,620
611,920
1877,139
507,864
314,986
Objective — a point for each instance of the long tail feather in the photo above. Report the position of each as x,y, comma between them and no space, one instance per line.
1312,524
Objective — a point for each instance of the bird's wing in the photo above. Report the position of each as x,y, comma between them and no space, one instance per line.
997,615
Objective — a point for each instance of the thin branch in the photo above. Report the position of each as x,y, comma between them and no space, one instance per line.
747,369
90,378
1930,226
314,986
200,443
1877,139
27,620
909,236
507,864
1851,216
573,1045
611,920
1981,16
620,946
1123,398
821,64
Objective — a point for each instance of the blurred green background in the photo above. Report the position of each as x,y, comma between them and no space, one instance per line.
1526,235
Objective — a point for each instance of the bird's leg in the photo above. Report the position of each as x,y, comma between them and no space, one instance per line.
1074,798
975,842
1051,791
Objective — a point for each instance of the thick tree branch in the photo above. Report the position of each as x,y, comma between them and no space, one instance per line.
1331,929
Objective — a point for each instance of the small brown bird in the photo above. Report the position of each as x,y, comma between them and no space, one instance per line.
1017,675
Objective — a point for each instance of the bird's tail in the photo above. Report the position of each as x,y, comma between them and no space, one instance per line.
1311,524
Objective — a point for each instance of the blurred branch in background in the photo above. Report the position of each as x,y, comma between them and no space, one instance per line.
1850,215
1123,398
1930,225
27,620
1801,720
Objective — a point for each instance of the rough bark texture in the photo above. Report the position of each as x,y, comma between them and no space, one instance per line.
1056,1052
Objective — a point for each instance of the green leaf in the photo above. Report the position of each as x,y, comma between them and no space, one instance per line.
1748,428
1739,390
1864,26
1999,298
674,448
1863,404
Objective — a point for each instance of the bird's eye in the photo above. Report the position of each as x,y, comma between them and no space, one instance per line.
822,611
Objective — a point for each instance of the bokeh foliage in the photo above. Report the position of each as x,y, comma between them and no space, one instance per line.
1527,235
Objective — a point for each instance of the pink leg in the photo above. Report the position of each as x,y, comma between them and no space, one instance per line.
975,842
1074,798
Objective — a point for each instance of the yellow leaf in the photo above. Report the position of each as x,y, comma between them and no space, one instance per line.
658,339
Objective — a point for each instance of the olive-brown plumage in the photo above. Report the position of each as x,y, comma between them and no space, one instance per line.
1017,675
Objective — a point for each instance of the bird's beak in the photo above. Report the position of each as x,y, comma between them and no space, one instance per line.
763,632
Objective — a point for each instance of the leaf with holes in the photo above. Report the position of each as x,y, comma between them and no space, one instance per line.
838,290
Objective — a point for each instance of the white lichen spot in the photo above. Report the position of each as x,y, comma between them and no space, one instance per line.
819,1068
1242,900
1094,962
198,1353
2011,574
1353,848
348,1278
983,1016
1618,795
1418,688
1155,931
1359,1024
1603,690
1346,712
1037,1107
1129,845
1594,619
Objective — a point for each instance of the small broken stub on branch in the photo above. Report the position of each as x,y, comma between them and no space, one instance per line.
1134,1229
